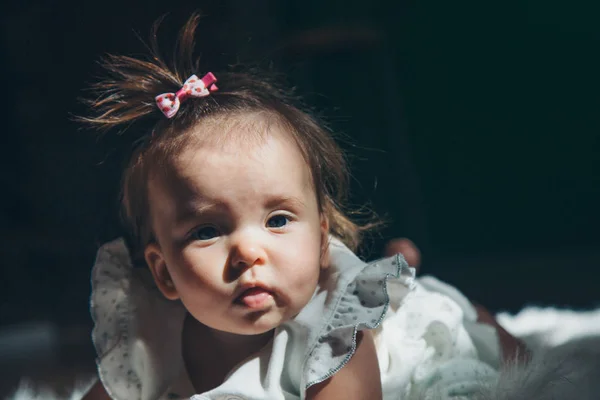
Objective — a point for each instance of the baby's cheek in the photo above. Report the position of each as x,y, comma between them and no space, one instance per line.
305,282
196,268
192,278
199,287
205,303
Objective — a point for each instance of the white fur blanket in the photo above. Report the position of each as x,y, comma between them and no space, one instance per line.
565,365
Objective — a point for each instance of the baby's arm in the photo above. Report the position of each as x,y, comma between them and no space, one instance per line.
96,392
359,379
513,349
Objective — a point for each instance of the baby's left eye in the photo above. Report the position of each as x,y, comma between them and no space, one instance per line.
277,221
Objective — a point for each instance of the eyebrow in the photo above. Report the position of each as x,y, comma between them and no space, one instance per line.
290,201
193,210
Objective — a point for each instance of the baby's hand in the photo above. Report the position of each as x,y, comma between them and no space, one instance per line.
407,248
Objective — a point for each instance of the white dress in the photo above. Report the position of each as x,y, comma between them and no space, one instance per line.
428,343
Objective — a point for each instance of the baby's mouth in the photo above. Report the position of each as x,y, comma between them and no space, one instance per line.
254,297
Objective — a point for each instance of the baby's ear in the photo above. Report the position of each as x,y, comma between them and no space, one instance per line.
324,241
158,266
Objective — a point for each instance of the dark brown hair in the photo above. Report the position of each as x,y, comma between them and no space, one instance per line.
127,96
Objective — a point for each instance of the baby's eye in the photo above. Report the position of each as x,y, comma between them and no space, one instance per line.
205,233
278,221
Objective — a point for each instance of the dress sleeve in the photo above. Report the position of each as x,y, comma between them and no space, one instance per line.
357,299
130,318
110,311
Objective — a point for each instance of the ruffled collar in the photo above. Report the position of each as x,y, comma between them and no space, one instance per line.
139,347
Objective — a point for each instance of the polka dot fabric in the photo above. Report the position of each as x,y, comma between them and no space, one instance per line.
110,309
124,306
169,103
425,349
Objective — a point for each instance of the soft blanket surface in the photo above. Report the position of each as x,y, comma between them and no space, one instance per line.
551,327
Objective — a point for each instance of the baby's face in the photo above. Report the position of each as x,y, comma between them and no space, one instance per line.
239,233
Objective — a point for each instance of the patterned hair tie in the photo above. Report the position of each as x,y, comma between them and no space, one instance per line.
168,103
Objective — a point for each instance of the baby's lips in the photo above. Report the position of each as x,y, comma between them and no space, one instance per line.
255,297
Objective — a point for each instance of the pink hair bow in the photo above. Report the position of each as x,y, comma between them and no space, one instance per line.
169,103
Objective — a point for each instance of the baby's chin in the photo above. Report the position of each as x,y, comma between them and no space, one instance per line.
257,333
260,323
257,323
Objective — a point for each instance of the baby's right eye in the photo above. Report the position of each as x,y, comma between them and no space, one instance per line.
205,233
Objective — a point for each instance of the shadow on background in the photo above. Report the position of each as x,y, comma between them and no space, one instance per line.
472,128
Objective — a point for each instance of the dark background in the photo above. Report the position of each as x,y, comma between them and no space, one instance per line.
473,129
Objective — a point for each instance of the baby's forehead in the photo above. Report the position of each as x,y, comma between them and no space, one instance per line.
241,129
245,147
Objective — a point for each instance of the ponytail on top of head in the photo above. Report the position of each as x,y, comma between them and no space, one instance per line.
127,94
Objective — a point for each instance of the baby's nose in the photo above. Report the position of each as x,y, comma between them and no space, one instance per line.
247,253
